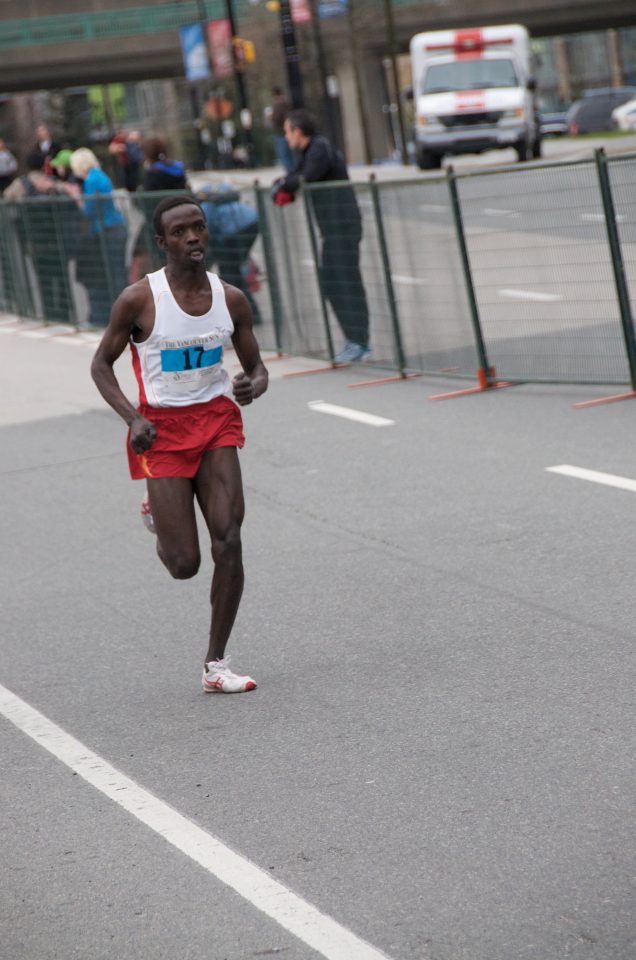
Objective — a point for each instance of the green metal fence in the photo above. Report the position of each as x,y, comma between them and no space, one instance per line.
529,271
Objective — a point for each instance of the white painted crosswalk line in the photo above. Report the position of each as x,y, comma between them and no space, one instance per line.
536,295
324,935
347,413
594,476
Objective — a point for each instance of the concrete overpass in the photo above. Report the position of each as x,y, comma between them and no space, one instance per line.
79,42
64,43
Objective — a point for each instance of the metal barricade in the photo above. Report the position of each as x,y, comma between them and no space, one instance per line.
530,270
427,277
542,271
622,182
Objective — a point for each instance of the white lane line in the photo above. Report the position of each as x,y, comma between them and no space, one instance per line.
348,414
410,281
600,217
580,473
433,208
530,295
320,932
496,212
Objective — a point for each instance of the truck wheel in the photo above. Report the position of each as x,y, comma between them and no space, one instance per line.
428,161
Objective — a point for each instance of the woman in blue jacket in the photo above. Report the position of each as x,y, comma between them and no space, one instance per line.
102,268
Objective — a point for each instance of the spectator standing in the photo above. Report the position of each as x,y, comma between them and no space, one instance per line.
8,166
43,230
117,150
45,146
160,172
126,150
279,110
61,167
106,240
135,160
233,229
338,217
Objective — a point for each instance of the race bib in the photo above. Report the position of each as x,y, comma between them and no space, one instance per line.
191,360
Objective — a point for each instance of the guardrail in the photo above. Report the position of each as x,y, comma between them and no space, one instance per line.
104,24
521,273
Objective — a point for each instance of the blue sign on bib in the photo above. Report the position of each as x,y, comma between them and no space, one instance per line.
189,358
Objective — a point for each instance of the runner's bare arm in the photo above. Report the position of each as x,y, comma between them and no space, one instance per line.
252,383
123,319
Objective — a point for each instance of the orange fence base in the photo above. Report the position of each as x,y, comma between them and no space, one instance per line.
485,383
602,400
375,383
309,373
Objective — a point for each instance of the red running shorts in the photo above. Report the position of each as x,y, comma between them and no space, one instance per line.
183,436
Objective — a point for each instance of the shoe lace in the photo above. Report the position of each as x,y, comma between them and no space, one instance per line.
219,666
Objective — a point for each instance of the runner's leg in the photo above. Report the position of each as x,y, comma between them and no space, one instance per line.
172,506
219,489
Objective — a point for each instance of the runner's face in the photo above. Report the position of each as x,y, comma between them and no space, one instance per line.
185,235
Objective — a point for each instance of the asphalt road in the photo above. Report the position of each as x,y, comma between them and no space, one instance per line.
439,755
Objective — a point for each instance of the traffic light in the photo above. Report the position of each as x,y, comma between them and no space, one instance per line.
244,52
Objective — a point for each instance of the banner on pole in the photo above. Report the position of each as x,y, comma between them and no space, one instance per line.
332,8
195,56
300,11
220,37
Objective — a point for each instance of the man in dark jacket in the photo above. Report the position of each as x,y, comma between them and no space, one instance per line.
340,224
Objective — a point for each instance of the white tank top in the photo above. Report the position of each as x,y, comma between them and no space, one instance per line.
181,362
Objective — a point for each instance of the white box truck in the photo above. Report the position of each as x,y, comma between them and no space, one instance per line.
473,90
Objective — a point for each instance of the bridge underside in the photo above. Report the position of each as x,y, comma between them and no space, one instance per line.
130,58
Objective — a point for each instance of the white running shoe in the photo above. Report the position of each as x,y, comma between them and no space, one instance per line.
146,515
350,353
218,678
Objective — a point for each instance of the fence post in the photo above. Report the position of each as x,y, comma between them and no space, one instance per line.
15,236
316,256
58,213
485,372
388,279
270,266
618,264
104,249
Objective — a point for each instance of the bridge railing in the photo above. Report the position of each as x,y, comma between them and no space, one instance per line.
521,273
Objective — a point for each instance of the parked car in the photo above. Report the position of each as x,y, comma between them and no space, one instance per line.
593,113
625,116
553,124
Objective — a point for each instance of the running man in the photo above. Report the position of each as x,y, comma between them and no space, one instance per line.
183,436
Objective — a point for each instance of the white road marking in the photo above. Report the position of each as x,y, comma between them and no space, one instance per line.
369,418
495,212
318,931
600,217
608,479
45,334
410,281
530,295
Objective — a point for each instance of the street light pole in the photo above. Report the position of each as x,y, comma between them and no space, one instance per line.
241,89
288,37
357,76
390,23
328,101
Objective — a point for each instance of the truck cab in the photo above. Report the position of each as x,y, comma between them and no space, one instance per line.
473,91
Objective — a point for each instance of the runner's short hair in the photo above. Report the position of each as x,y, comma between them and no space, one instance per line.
167,204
